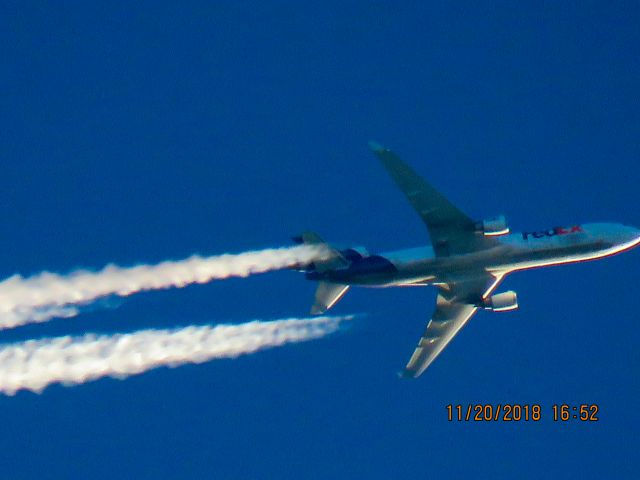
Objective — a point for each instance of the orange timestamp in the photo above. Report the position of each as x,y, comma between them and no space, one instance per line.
582,412
501,412
516,412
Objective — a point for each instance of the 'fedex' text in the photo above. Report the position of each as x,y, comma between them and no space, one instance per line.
553,232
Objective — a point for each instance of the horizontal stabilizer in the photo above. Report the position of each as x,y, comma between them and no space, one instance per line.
327,295
334,262
310,238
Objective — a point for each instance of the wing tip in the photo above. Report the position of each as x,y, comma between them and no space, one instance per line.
376,147
407,374
318,309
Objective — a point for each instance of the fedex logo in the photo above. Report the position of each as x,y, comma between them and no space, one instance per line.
553,232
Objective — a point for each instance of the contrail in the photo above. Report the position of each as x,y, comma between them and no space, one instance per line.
34,364
47,295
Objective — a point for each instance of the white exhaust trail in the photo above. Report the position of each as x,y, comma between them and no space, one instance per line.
34,364
47,295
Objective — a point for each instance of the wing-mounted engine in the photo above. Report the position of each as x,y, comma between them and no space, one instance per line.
501,302
493,227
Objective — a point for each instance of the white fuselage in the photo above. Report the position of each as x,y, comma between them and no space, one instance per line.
519,251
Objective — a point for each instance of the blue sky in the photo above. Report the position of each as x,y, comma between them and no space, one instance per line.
154,131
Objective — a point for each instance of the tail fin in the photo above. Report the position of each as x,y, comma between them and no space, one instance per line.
327,295
335,261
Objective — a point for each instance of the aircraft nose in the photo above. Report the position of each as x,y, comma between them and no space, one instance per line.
633,230
633,235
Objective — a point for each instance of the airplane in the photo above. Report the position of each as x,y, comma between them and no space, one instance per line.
466,261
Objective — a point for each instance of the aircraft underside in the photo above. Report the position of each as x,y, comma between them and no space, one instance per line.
466,261
385,271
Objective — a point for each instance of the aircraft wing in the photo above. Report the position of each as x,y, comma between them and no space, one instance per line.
455,305
451,230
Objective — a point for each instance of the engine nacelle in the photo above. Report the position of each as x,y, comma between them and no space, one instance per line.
354,253
495,226
502,302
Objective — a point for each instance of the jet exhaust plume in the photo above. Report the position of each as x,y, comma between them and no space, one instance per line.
34,364
46,295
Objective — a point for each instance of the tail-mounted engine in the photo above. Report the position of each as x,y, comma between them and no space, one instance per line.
501,302
354,253
493,227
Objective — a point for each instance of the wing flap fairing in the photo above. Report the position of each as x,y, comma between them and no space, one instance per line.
455,305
